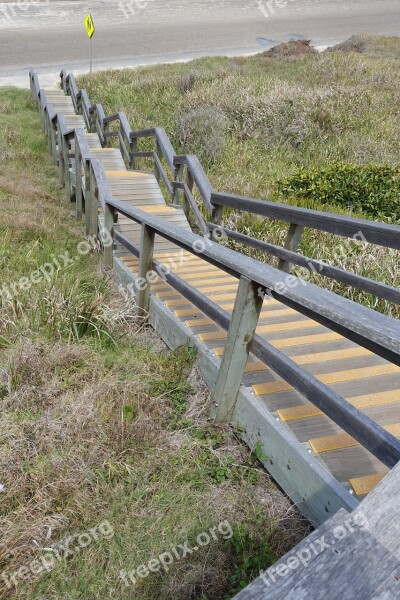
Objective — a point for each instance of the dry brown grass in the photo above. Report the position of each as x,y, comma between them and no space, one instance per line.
107,424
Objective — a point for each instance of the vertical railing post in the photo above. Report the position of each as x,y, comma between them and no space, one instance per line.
145,266
244,321
134,147
78,180
67,175
86,196
186,203
108,235
53,140
156,169
61,169
106,130
179,178
94,207
292,243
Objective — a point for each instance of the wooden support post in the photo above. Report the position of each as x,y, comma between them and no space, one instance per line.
53,141
292,243
178,178
133,159
156,169
61,168
43,118
106,129
244,321
93,207
49,135
217,214
185,202
67,175
146,262
86,195
108,235
78,181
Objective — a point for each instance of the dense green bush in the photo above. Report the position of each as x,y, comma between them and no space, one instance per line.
373,189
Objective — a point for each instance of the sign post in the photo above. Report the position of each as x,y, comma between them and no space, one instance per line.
90,29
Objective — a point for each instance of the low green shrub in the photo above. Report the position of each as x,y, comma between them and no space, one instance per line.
373,189
203,131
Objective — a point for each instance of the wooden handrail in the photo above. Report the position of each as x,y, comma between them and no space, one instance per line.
383,445
380,290
368,328
372,231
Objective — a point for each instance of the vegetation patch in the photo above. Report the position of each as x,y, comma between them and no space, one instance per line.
291,48
282,119
377,46
107,457
373,190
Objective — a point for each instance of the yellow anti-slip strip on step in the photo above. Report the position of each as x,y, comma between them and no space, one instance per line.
352,375
207,290
213,297
303,340
210,281
153,208
199,322
212,272
339,441
128,174
206,321
179,253
189,311
319,357
305,411
218,335
365,485
216,297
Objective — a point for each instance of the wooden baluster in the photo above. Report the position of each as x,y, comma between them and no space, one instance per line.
78,181
133,159
292,243
108,234
145,266
244,321
94,207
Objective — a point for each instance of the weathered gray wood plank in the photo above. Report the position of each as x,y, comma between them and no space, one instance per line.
354,556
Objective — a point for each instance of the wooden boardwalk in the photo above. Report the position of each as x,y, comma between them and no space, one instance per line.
352,556
366,380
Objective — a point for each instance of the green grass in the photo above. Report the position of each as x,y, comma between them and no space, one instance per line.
257,121
101,424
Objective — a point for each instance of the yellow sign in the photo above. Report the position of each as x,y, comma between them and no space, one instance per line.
89,25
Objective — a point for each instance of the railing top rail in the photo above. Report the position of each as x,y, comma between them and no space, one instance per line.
124,123
374,232
34,80
83,144
364,325
165,146
370,231
72,84
378,441
380,290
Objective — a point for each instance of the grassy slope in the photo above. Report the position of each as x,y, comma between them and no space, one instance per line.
255,121
99,421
